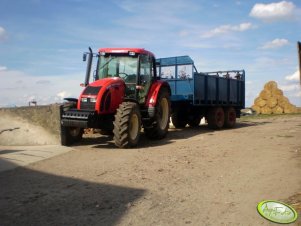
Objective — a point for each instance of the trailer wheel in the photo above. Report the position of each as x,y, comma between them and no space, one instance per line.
127,125
70,135
194,121
179,119
216,118
230,117
159,128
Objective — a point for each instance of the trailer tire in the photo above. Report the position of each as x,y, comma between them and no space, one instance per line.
230,117
159,127
194,121
179,119
216,118
127,125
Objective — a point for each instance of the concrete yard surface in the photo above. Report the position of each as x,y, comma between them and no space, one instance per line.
14,156
195,176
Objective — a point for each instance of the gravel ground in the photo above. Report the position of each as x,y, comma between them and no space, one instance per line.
195,176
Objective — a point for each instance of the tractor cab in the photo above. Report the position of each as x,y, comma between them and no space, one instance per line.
134,66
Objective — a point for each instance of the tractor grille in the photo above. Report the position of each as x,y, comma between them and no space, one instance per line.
87,105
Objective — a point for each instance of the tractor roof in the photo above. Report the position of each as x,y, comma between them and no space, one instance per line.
126,50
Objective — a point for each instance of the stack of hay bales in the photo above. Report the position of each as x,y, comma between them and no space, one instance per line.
272,101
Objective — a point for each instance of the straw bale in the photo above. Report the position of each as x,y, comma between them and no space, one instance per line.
257,99
272,102
289,108
277,110
266,110
270,85
282,101
277,92
265,94
256,108
260,102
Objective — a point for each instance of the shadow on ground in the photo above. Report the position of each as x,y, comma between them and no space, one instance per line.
106,141
29,197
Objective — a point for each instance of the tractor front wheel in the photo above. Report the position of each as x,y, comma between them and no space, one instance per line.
159,128
70,135
127,125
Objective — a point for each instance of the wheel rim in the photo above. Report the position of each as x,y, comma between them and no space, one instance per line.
134,127
232,116
163,113
220,117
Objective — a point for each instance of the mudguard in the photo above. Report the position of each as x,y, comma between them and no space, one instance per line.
154,92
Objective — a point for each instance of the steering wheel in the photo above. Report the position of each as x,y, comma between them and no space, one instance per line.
123,73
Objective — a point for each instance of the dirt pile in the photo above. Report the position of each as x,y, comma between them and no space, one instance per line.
18,131
272,101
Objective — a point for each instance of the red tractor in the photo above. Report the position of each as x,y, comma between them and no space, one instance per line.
124,95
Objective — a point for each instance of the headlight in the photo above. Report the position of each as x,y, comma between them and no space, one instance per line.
84,99
93,100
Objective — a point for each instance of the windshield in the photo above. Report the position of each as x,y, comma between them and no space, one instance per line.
117,66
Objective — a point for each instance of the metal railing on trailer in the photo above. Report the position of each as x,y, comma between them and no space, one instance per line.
222,88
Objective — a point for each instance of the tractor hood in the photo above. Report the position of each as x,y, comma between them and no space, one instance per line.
103,96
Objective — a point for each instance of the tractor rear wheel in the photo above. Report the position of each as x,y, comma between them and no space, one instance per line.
216,118
127,125
230,117
159,128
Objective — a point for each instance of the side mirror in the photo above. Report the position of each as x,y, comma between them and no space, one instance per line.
84,56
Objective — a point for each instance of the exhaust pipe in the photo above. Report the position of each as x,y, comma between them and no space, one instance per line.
89,65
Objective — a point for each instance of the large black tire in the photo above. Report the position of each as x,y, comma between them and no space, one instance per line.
179,118
216,118
159,127
230,117
194,120
127,125
70,135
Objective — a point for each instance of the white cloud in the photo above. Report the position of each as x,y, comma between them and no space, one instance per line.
289,87
227,29
17,88
3,34
274,11
63,94
292,87
293,77
276,43
3,68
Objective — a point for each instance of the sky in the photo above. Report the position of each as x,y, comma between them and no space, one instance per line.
42,41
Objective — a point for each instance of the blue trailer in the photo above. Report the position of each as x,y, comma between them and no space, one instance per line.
218,96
